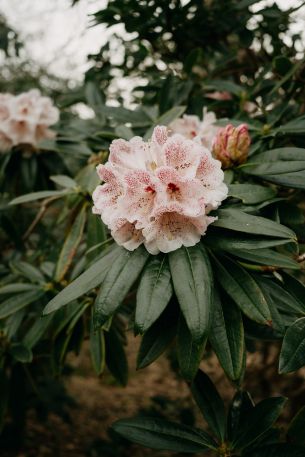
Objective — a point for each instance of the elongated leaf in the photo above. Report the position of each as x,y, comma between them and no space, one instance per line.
17,288
292,355
38,196
239,221
228,240
295,288
189,351
154,293
284,166
210,404
251,193
115,357
88,280
297,427
193,283
37,331
158,337
70,245
163,435
239,409
64,181
243,290
97,349
259,420
13,304
266,257
21,353
227,337
28,271
122,274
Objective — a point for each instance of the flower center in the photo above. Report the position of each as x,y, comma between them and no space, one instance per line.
172,187
150,189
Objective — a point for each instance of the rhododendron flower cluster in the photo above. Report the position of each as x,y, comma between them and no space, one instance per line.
192,127
231,145
158,192
25,118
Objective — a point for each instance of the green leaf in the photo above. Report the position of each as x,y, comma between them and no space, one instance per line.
115,357
295,288
37,331
296,428
229,241
17,288
227,337
13,304
158,337
38,196
163,435
88,280
259,420
189,352
292,355
21,353
251,193
97,349
239,409
71,244
28,271
154,293
122,274
64,181
243,290
193,284
284,166
210,404
239,221
266,257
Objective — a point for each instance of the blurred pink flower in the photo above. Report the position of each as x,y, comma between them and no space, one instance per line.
191,127
217,95
158,192
25,118
231,146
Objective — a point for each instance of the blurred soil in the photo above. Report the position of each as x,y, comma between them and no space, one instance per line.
99,402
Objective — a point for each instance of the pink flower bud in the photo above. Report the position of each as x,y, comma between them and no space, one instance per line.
231,145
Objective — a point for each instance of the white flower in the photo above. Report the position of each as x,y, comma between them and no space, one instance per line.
192,127
158,192
25,118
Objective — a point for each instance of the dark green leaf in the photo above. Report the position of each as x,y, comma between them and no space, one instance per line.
13,304
266,257
115,357
296,428
292,355
243,290
251,193
193,283
37,331
259,420
38,195
189,351
97,349
154,293
122,274
88,280
163,435
21,353
227,337
210,404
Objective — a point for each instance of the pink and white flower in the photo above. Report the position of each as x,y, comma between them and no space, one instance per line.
25,118
192,127
158,193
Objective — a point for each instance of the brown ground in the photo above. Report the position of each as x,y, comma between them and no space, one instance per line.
99,402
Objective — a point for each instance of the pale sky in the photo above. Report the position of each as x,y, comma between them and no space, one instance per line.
58,36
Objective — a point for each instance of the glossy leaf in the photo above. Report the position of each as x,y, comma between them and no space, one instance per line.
292,355
163,435
154,293
70,245
227,337
88,280
193,284
243,290
189,351
210,404
121,275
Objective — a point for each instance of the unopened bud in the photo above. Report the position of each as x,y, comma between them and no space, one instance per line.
231,145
